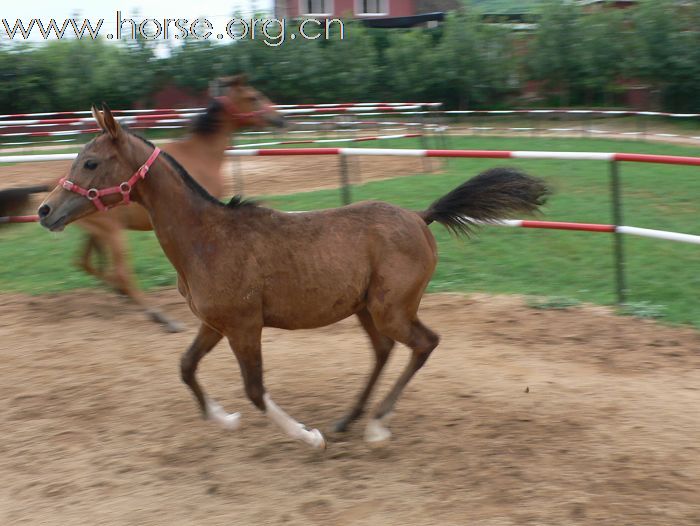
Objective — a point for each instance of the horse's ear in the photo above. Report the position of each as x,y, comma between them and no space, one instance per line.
111,125
97,115
234,81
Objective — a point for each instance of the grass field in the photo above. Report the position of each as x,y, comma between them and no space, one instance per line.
563,267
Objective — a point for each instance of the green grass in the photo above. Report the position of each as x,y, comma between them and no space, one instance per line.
577,266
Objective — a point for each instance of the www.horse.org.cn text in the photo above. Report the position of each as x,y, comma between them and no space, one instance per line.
272,31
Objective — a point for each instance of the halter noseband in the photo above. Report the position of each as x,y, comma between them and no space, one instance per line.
93,194
239,116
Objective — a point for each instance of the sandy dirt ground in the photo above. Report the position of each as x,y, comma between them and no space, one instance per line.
521,416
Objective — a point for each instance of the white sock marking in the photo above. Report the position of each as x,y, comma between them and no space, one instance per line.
376,430
216,413
294,429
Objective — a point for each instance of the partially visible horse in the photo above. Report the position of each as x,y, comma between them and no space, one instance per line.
242,267
202,153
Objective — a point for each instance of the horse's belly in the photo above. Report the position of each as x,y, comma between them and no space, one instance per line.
314,306
310,319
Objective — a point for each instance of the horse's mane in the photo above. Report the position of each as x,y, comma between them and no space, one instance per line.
209,122
236,201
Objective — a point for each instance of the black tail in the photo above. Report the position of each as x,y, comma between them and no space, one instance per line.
495,194
14,201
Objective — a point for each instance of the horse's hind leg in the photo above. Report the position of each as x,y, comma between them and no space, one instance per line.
422,341
246,347
382,346
204,342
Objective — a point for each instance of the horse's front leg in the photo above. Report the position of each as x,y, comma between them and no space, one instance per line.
84,260
205,341
246,346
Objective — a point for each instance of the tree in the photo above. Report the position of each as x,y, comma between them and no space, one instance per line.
604,54
556,56
474,63
666,42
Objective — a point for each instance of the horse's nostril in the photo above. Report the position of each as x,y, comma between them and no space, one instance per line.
44,210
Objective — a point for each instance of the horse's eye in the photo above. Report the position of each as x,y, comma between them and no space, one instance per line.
90,165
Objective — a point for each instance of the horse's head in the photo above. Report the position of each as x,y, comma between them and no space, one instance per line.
246,105
103,163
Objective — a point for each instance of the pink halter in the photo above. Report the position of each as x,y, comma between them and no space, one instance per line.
93,194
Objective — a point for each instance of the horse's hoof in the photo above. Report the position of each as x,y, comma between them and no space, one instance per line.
341,426
168,325
174,326
316,440
216,413
376,432
230,422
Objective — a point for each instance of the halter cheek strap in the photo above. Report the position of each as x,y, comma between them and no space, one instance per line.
94,195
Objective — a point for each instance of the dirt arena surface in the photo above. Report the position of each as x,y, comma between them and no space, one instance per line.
261,175
521,416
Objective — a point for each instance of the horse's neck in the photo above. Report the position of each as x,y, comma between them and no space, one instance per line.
203,156
178,213
216,142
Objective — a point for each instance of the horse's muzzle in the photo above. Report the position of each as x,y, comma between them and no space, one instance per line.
50,223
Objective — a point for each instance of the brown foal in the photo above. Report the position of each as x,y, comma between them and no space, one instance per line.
242,267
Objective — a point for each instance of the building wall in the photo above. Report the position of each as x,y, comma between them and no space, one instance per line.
343,8
402,8
290,8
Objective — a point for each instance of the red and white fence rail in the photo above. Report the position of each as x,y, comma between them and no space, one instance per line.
594,227
572,112
156,111
178,114
369,106
65,128
95,130
174,117
474,154
483,154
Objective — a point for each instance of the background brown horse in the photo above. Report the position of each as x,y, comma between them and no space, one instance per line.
202,153
242,267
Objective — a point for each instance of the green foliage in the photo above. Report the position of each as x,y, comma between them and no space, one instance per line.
579,55
667,51
504,6
602,59
71,74
558,48
476,62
